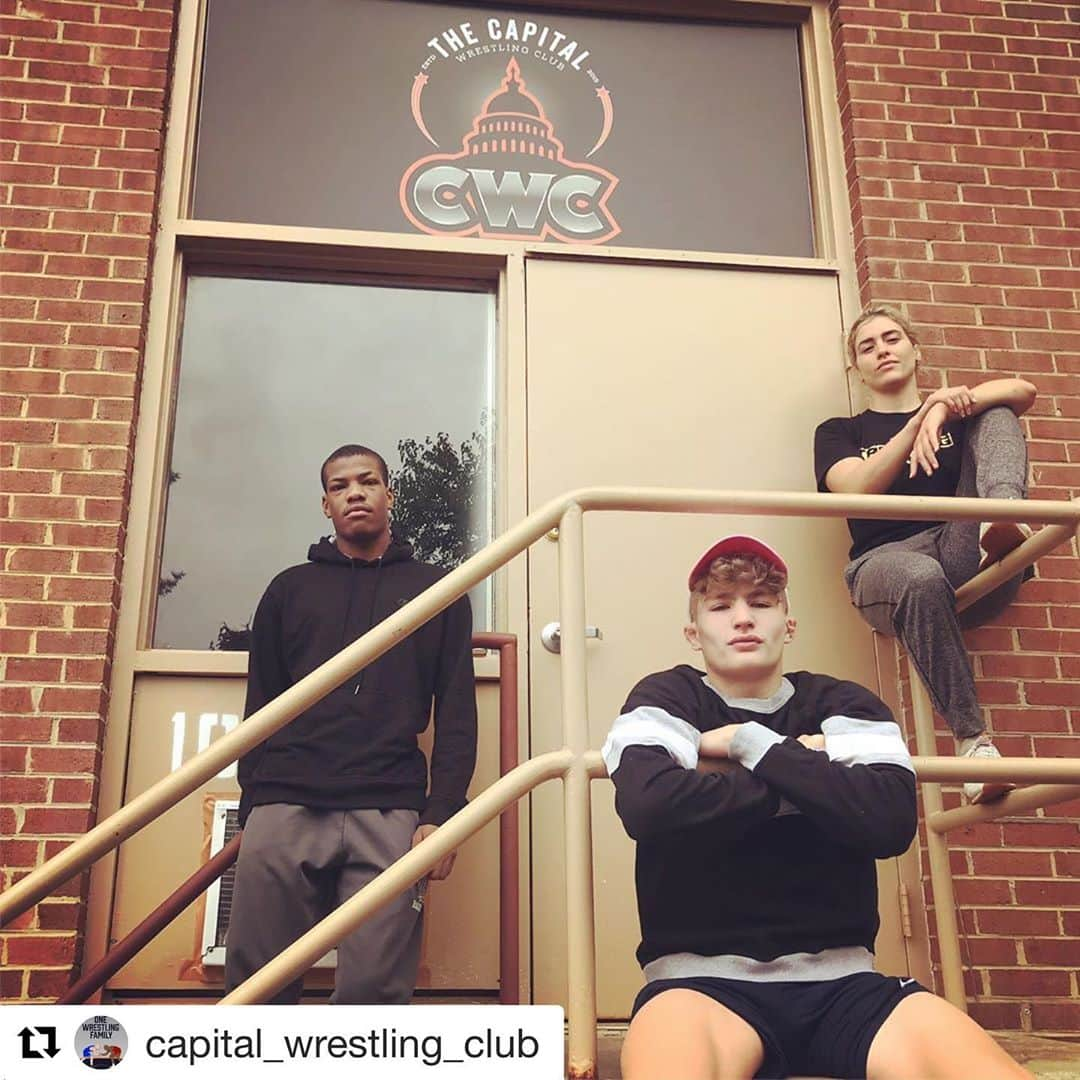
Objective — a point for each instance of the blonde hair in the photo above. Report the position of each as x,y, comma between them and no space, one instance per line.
873,311
728,570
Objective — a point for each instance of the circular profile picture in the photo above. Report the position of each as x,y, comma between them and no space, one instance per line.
101,1042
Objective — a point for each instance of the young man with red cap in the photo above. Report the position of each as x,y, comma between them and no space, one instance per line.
756,884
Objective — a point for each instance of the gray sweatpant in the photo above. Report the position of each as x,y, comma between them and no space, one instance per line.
906,588
296,865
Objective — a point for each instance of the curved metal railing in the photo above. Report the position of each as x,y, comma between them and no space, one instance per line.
574,763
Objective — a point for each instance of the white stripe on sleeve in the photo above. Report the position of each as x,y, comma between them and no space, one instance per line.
649,725
851,741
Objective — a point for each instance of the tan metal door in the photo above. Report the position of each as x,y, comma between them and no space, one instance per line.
173,717
698,377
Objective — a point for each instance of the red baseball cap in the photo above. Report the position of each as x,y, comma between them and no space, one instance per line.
736,545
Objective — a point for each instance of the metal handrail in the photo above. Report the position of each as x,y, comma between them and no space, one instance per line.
216,867
575,763
409,869
108,834
173,906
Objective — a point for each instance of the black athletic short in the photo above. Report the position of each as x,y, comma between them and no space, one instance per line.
807,1028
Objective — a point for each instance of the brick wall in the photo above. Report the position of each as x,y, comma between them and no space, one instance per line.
964,178
82,88
963,164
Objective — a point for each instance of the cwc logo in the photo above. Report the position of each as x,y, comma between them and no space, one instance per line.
511,178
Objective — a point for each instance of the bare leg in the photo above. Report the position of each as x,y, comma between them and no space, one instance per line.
927,1037
684,1034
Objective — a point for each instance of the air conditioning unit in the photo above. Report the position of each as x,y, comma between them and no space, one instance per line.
224,825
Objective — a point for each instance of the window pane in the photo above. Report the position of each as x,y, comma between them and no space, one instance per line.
412,117
274,375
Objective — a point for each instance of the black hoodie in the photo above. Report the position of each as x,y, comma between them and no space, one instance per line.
356,749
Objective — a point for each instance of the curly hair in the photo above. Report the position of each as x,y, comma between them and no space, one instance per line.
727,570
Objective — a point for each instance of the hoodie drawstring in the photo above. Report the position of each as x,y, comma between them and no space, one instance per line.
371,613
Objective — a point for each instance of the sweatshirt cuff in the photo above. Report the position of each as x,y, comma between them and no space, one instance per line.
438,811
752,742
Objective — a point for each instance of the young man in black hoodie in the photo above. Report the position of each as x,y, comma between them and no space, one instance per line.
339,794
756,883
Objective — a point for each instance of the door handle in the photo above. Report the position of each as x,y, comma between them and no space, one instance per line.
551,636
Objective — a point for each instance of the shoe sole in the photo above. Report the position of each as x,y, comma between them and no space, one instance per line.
988,792
1001,538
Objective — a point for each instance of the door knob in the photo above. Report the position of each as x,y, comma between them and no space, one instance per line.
551,636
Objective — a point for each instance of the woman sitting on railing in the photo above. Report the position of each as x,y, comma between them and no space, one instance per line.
960,440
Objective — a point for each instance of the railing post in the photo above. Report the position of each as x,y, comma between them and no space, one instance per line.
580,925
937,847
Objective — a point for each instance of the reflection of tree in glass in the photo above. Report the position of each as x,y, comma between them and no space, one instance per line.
173,578
232,640
169,582
438,494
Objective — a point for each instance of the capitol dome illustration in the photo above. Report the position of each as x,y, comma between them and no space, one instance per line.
512,121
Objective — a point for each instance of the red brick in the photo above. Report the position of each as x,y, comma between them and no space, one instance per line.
45,507
1055,1016
97,384
1053,952
31,382
84,483
48,984
85,671
41,949
77,790
14,641
52,457
996,1015
972,892
31,333
61,408
65,359
1040,834
106,35
987,950
61,916
18,699
94,433
24,790
84,135
25,285
32,669
21,853
82,729
52,821
93,617
77,266
65,642
88,536
62,759
1029,982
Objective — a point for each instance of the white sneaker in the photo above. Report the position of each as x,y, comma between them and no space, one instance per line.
998,538
978,791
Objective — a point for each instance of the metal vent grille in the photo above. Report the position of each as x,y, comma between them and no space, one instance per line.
225,886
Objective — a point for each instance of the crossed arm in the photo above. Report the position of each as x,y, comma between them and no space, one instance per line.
917,442
861,790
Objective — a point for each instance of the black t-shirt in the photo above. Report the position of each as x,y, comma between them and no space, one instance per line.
864,435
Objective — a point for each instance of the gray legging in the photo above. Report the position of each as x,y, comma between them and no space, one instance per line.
906,588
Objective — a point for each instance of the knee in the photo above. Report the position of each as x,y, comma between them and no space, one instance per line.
925,576
1000,420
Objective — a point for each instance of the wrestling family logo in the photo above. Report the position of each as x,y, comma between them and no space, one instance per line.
512,177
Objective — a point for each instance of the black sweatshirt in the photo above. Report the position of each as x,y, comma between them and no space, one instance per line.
772,859
357,749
